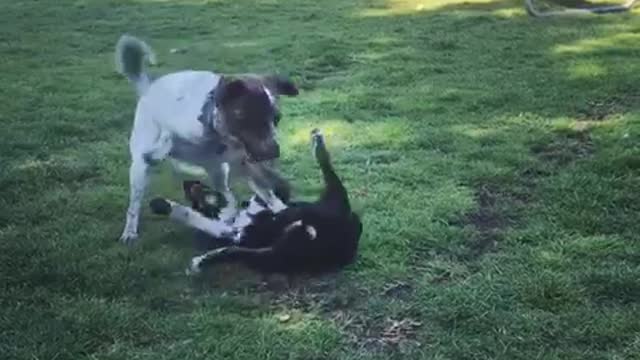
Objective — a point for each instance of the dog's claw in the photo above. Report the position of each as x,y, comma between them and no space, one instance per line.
129,238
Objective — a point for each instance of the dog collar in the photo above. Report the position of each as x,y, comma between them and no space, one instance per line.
208,114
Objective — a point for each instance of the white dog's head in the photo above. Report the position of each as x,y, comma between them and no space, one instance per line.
248,112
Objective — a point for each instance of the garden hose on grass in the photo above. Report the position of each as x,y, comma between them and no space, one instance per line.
598,10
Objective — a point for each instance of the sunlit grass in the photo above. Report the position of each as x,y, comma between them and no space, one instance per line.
344,134
404,7
587,69
625,40
493,158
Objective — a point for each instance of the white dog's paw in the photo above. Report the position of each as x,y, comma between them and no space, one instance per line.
129,237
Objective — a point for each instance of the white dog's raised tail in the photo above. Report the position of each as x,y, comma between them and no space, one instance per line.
132,54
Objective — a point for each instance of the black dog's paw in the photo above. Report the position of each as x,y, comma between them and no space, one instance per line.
316,135
160,206
318,146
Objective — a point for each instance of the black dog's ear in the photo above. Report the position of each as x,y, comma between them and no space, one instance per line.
193,191
186,188
282,85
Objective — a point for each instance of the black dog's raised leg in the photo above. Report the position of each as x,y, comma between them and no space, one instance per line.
261,258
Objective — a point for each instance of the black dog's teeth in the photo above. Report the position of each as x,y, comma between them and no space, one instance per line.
160,206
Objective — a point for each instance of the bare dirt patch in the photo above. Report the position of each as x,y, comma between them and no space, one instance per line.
489,219
379,334
567,147
601,109
398,290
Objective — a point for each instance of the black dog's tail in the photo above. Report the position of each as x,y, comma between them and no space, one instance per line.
334,194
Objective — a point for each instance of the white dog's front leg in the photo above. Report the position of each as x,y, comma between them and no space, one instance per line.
138,178
273,202
220,178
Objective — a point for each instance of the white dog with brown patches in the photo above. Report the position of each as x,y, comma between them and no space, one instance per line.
220,123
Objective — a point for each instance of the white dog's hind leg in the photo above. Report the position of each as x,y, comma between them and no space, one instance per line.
138,178
160,150
273,202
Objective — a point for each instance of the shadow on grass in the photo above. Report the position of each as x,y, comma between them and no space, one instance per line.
449,123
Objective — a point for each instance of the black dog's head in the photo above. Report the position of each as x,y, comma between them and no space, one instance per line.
203,199
249,112
208,202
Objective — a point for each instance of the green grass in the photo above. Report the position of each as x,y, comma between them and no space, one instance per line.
495,158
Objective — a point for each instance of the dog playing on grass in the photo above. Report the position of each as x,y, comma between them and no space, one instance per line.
306,237
221,123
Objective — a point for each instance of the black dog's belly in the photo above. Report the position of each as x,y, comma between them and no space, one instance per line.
334,246
203,242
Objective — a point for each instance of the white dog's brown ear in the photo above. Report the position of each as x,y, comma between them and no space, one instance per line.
282,85
230,89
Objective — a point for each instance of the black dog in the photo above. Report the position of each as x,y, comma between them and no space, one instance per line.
306,237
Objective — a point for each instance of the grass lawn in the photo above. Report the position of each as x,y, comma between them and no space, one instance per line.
495,159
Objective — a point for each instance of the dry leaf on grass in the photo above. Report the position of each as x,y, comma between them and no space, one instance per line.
399,331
